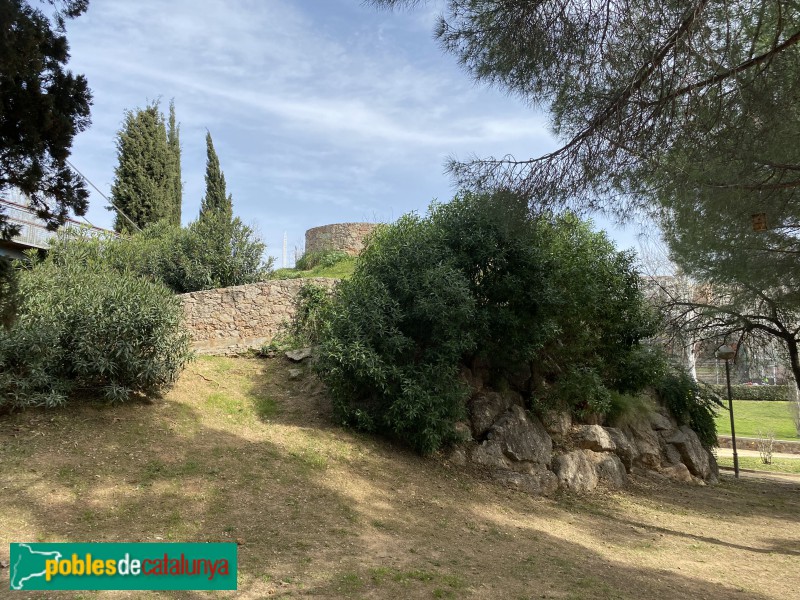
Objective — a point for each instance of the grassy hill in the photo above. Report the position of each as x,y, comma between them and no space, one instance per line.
751,417
239,452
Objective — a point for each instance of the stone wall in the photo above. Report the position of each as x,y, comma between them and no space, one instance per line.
348,237
232,320
748,443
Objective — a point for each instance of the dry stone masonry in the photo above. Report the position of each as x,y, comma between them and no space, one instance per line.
542,455
347,237
231,320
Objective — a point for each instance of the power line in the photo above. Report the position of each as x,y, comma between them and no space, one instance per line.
107,199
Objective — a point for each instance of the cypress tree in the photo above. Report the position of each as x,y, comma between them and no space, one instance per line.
144,185
173,138
216,200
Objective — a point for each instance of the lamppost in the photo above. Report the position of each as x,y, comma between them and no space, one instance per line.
726,353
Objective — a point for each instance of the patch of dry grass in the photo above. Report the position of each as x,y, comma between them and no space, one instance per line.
237,452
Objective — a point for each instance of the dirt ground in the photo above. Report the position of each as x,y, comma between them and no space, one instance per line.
239,452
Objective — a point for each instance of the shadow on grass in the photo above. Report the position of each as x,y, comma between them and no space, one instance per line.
376,523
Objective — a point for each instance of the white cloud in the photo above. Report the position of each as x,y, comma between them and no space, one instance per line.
335,110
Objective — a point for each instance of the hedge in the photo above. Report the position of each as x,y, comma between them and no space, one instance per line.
754,392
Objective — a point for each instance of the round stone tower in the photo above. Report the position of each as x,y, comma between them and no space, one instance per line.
347,237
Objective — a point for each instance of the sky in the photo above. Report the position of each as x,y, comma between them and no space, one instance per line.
321,111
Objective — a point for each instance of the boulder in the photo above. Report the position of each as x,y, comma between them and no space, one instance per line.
678,473
694,455
522,437
540,483
299,354
624,448
670,454
646,442
485,408
467,376
576,471
295,373
659,422
463,431
593,437
611,471
714,477
457,456
490,454
557,422
520,378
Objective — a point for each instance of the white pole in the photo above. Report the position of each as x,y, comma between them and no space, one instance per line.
284,249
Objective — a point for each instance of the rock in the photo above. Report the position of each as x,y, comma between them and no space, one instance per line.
295,373
694,455
671,455
458,456
676,436
611,471
593,437
522,437
678,473
463,431
624,448
659,422
466,375
520,378
557,422
646,442
484,409
490,454
576,472
3,564
299,354
713,479
540,483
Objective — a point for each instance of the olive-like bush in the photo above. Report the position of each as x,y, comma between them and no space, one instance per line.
481,277
692,404
89,331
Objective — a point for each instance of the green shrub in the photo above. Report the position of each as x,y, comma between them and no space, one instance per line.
323,258
305,329
692,404
8,291
628,408
481,277
395,334
86,330
767,393
187,259
29,362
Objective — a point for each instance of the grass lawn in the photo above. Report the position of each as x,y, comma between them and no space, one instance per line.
341,270
750,416
238,452
778,465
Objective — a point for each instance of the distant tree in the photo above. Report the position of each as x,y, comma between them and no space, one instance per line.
42,107
144,187
174,141
216,199
223,250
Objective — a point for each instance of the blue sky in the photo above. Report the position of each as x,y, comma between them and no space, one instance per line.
321,111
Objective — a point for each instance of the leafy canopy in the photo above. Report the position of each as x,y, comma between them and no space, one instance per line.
147,184
42,107
626,82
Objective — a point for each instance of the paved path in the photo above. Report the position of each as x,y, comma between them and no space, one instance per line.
729,453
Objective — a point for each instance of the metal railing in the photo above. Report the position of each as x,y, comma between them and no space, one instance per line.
33,230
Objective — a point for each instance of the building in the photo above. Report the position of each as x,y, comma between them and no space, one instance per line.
33,230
